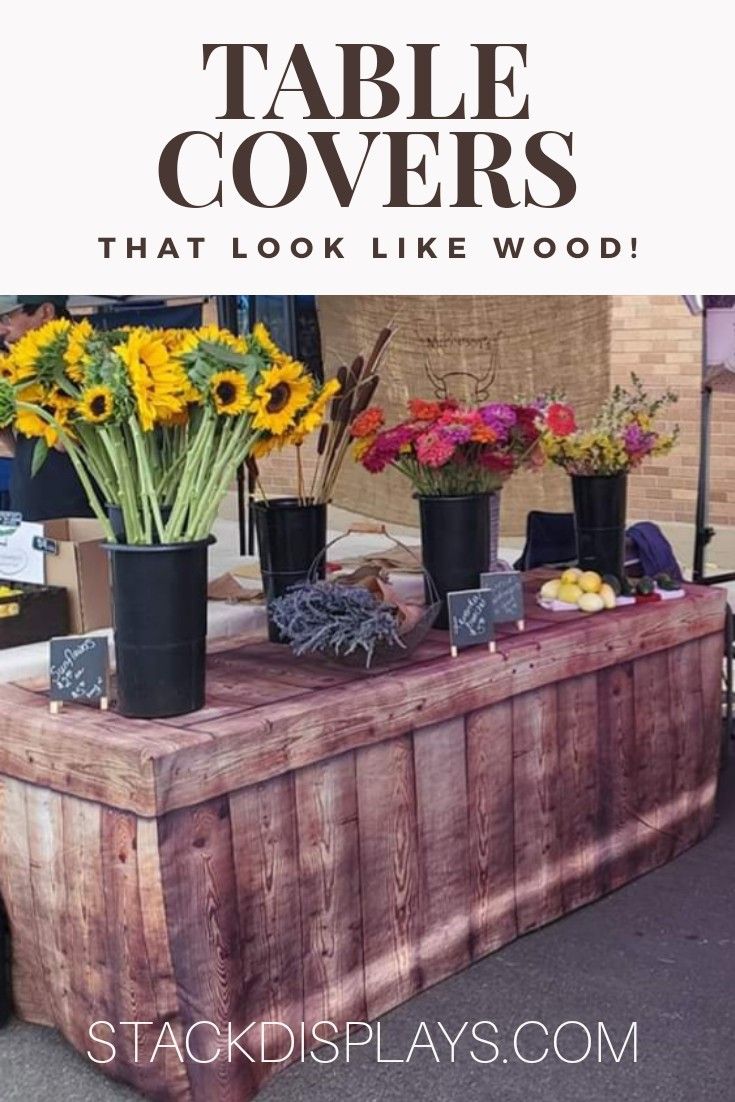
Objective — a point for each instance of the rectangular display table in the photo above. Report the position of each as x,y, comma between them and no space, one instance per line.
320,844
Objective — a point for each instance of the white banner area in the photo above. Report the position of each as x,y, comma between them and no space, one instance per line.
385,148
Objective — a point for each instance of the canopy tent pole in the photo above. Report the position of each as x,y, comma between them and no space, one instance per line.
227,316
713,378
703,532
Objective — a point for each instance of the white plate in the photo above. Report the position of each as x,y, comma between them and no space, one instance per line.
621,602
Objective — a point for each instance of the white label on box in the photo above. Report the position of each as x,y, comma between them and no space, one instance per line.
19,559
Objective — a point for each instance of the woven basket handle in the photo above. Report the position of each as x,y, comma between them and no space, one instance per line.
366,528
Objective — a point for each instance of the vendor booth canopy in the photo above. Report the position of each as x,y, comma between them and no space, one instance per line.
161,311
718,378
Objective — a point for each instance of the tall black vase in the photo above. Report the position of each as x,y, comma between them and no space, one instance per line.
291,537
599,516
455,543
159,597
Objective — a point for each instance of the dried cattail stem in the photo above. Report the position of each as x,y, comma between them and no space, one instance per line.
358,384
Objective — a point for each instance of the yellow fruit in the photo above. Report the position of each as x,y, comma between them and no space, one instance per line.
591,602
571,576
550,590
607,593
590,582
569,593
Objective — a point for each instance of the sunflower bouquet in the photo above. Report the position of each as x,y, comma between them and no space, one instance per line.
156,422
619,439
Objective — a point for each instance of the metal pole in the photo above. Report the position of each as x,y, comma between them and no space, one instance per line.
703,533
728,733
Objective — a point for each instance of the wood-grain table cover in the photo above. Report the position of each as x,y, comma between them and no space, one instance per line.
321,844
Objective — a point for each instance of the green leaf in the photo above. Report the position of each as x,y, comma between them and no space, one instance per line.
39,456
64,384
245,362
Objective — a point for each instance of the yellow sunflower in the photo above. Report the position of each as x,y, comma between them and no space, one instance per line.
266,445
284,390
30,423
312,418
179,341
229,393
75,356
159,384
214,335
97,405
8,369
28,350
266,342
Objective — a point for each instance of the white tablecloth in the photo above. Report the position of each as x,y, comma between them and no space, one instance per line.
225,620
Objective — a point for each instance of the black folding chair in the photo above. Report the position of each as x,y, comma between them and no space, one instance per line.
550,540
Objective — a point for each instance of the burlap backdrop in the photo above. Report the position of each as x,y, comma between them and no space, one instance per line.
514,345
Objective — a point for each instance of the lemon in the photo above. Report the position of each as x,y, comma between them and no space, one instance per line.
550,589
569,593
571,576
590,582
607,593
591,602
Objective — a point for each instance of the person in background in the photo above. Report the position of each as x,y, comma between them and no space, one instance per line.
55,490
6,464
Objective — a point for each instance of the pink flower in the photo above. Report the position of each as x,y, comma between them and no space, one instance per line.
434,449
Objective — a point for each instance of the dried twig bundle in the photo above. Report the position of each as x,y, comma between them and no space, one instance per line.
358,384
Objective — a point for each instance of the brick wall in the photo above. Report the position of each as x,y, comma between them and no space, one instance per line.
655,336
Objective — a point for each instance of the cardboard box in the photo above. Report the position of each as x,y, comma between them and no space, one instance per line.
80,565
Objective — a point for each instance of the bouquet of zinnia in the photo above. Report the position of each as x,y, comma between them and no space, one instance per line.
156,422
445,448
619,438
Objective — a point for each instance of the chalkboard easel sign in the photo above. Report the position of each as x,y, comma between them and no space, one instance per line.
506,588
470,620
79,672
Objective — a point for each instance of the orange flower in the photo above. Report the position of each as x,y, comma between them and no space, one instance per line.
483,434
424,411
368,422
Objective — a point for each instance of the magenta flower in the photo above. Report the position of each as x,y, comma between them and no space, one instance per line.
499,417
456,433
638,443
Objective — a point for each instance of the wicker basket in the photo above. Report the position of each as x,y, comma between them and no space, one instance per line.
384,654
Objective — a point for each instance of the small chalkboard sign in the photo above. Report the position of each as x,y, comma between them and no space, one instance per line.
470,620
79,671
506,588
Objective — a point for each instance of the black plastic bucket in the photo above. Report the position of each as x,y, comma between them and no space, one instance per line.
6,990
290,538
115,516
455,544
159,595
599,516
